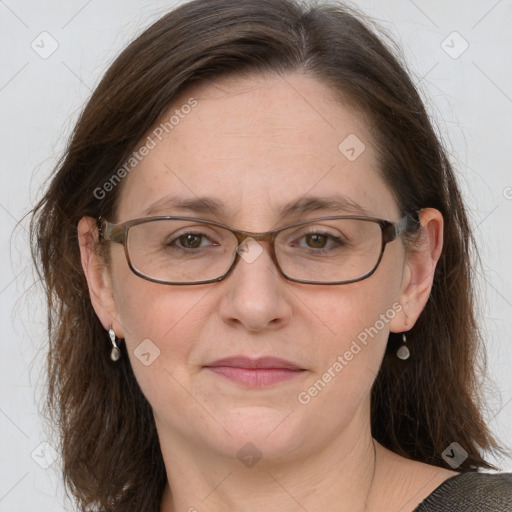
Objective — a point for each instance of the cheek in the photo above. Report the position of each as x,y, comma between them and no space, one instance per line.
153,311
353,326
161,324
343,312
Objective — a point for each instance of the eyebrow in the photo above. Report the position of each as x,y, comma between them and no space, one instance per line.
210,205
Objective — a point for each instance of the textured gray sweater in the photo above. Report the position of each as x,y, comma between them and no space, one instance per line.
471,492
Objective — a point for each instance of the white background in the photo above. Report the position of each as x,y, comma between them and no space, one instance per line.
470,96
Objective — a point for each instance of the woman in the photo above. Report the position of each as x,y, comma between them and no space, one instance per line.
256,260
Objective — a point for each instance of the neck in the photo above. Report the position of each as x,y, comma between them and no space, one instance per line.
340,477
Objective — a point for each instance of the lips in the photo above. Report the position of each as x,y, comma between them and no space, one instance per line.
258,363
259,372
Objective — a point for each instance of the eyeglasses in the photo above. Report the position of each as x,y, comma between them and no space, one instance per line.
186,250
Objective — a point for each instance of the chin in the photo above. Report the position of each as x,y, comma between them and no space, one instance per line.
259,433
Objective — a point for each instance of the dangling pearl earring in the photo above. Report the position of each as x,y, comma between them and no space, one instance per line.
403,352
115,353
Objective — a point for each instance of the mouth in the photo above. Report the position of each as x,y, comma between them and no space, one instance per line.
260,372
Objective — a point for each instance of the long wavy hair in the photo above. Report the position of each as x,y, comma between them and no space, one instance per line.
110,449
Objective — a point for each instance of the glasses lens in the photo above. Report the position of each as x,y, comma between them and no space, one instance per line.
184,251
330,250
180,250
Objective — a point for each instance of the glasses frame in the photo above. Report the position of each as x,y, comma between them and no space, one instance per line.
118,233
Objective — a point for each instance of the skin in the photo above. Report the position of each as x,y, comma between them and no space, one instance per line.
254,143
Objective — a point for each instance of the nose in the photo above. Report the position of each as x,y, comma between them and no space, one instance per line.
255,292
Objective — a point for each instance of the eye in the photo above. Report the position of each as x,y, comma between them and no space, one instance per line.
319,240
316,240
190,240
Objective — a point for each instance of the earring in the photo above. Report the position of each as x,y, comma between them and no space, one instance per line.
403,352
115,353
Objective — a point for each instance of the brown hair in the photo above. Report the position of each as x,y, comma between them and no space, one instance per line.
111,454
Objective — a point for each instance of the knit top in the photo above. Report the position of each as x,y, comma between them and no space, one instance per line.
471,492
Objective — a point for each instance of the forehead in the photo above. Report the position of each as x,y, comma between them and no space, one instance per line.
255,144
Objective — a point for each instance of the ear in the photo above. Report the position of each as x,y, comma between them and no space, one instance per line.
420,265
98,276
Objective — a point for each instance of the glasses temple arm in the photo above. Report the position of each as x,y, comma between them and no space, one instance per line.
111,232
406,223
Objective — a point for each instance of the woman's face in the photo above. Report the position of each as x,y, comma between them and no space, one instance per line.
255,144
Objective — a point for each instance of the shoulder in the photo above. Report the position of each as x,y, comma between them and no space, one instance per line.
478,492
